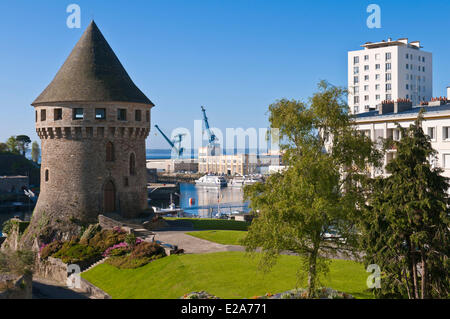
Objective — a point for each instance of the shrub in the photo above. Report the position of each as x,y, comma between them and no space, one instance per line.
142,254
50,249
18,262
106,238
117,250
73,252
146,249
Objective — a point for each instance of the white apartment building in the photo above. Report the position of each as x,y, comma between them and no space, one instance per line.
238,164
382,124
388,70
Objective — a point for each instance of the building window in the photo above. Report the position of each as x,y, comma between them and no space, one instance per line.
388,76
35,116
356,99
43,115
388,86
366,98
121,114
355,109
355,79
137,115
47,177
366,58
377,97
388,66
407,66
147,116
132,164
100,114
126,182
78,114
356,70
366,78
377,76
423,59
377,87
109,152
388,97
432,133
366,68
377,66
446,161
355,89
445,133
407,86
57,114
407,55
388,56
356,60
366,88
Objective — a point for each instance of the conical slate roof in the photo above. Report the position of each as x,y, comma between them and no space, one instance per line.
92,73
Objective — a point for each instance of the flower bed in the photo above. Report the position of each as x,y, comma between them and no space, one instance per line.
301,293
199,295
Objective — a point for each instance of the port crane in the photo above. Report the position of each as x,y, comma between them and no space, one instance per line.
178,138
211,137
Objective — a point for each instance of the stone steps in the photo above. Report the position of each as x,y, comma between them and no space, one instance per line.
101,261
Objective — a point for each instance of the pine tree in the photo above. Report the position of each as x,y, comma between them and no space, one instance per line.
406,222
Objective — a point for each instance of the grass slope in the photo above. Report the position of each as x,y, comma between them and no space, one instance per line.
224,237
225,274
211,223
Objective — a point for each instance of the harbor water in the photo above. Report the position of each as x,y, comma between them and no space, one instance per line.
209,201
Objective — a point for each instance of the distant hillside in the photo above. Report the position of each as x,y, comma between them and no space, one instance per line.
12,164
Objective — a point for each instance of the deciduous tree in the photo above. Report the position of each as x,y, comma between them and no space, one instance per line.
310,207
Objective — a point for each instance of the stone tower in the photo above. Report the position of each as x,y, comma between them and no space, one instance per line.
92,121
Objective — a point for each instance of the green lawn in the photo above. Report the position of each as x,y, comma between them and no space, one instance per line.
224,237
211,223
225,274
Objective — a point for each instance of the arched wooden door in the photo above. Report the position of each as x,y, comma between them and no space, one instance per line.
109,197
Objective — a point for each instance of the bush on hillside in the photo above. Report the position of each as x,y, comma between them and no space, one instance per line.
106,238
47,250
73,252
142,254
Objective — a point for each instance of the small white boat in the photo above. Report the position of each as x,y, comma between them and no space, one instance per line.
238,181
211,180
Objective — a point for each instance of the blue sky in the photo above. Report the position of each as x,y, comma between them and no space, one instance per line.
234,57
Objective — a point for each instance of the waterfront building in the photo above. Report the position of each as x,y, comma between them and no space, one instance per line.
236,164
388,70
92,121
382,124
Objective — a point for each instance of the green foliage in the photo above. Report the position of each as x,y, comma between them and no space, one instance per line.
22,143
406,222
105,239
320,190
18,262
13,145
12,224
73,252
130,239
50,249
141,255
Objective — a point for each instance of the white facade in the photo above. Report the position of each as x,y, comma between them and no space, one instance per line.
239,164
436,124
388,70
